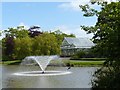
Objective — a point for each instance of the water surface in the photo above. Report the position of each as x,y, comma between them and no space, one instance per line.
80,78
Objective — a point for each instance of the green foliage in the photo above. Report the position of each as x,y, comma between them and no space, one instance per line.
79,54
23,47
60,36
106,31
8,43
88,11
46,44
85,54
15,62
19,32
106,36
18,43
106,78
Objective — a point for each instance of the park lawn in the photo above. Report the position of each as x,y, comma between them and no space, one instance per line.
89,59
12,62
76,63
87,63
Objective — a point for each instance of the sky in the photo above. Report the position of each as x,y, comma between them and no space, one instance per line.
49,15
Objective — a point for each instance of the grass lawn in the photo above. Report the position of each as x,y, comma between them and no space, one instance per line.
90,59
13,62
77,63
74,63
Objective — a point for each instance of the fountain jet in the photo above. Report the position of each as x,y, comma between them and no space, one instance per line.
42,61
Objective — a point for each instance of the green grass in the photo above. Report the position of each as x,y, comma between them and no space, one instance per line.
12,62
77,63
74,63
90,59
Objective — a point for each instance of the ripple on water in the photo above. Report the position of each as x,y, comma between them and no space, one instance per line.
39,73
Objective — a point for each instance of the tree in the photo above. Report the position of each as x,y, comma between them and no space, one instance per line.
22,48
20,42
34,31
60,36
19,32
106,36
46,44
8,43
9,46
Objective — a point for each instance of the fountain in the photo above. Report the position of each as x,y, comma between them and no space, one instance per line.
42,62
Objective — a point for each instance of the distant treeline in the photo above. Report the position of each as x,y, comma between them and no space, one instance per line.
20,42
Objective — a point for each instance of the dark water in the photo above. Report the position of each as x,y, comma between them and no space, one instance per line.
80,78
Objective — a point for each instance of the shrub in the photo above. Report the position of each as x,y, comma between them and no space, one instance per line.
106,78
83,54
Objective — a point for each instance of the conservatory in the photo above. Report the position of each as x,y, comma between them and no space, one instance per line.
71,45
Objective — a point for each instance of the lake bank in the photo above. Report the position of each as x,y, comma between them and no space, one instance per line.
72,63
76,63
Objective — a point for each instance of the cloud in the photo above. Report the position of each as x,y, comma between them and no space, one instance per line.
22,24
73,5
106,0
73,30
109,1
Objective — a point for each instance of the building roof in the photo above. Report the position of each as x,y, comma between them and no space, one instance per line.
79,42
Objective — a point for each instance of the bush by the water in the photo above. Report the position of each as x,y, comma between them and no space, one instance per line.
106,78
83,54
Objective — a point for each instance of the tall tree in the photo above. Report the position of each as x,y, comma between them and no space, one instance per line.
106,36
34,31
18,32
8,42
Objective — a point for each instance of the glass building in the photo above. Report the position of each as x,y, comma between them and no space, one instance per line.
72,45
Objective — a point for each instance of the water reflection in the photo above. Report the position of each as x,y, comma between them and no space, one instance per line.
80,78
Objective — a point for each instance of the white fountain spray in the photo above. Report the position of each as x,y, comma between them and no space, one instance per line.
42,61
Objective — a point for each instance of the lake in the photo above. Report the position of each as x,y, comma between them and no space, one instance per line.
79,78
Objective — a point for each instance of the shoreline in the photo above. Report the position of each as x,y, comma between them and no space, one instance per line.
69,63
